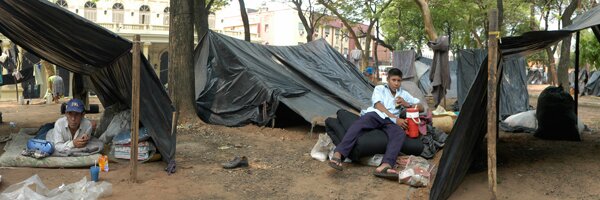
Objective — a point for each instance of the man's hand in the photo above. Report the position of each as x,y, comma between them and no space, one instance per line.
402,123
81,142
402,102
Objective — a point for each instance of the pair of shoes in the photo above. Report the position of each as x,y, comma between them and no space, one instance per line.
385,174
236,162
336,163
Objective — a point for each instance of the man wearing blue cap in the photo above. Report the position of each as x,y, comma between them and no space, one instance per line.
72,130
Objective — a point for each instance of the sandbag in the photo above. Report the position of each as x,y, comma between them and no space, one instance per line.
444,123
370,143
556,116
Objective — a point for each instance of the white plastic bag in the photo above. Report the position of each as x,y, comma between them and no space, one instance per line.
416,172
524,119
374,160
82,189
322,148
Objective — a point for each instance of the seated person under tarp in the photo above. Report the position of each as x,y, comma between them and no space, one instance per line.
71,135
384,115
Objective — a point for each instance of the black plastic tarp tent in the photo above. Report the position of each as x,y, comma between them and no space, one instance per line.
592,87
513,95
470,127
239,82
71,41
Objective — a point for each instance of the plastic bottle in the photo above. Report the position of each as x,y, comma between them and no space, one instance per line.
101,162
105,163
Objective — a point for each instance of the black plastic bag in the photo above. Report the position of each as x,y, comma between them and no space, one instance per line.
556,115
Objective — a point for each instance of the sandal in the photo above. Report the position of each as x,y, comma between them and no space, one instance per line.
336,163
384,174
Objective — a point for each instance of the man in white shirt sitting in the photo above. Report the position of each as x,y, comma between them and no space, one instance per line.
72,130
383,114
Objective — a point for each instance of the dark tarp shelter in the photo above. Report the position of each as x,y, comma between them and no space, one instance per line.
536,76
418,70
238,82
425,82
583,79
513,95
470,128
71,41
592,87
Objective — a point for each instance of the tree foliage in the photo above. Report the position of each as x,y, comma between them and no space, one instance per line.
464,21
590,49
353,13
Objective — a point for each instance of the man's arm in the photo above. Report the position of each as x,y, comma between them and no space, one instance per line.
60,143
379,106
401,122
408,100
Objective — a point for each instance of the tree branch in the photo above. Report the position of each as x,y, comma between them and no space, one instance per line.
209,5
382,43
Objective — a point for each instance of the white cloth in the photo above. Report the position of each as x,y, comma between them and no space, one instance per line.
3,57
382,94
61,135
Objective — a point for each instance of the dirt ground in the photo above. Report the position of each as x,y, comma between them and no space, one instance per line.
281,167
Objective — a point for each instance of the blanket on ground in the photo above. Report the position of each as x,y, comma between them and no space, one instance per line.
12,156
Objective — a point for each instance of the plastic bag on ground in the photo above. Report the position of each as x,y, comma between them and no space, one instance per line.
416,172
374,160
33,189
121,122
322,148
524,119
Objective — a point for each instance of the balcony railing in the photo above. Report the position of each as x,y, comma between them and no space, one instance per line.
240,35
118,27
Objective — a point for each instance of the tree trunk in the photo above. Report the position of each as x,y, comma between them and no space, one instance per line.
551,67
477,39
367,51
427,20
565,48
376,62
245,20
309,30
181,46
201,12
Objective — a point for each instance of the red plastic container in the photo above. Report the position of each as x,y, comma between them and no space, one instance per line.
413,121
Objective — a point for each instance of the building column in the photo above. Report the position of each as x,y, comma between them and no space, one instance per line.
145,50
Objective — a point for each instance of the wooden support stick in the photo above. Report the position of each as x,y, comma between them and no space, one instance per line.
174,123
135,108
491,98
576,72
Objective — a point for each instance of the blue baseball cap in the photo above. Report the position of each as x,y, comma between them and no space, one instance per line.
75,105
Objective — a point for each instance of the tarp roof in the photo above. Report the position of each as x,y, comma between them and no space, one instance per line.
470,129
235,78
79,45
514,97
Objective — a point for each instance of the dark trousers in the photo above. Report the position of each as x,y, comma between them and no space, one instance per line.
371,120
43,131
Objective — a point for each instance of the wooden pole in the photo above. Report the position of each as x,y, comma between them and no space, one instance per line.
135,108
576,71
491,98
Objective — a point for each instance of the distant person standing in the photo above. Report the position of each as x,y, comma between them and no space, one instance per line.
58,87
